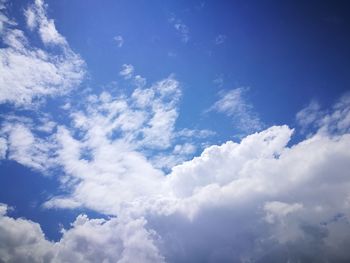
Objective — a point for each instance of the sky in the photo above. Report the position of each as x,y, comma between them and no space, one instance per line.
174,131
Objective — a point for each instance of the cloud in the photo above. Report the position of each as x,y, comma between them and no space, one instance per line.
261,199
220,39
29,73
3,148
181,28
219,81
118,137
234,105
127,71
88,240
332,121
36,19
119,40
22,146
249,201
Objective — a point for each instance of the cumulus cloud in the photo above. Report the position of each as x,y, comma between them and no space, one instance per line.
88,240
244,201
256,200
234,104
36,19
118,137
29,73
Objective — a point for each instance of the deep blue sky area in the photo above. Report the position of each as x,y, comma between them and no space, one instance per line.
278,49
279,55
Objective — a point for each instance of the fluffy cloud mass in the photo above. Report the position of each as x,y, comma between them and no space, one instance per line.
261,199
244,202
89,240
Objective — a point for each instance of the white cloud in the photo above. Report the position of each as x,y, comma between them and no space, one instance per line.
117,135
282,197
233,104
258,182
246,201
195,133
139,81
127,71
88,240
119,40
3,148
333,121
29,73
37,19
25,148
277,210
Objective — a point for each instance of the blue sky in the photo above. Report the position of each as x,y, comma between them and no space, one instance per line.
174,131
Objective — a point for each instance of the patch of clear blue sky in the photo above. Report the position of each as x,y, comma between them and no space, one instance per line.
287,52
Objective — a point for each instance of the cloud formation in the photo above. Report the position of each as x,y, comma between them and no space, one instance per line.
119,40
127,71
260,184
261,199
234,105
29,73
220,39
88,240
181,28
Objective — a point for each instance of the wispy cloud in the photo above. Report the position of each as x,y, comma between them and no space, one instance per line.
314,118
234,105
111,153
219,80
127,71
220,39
182,29
119,40
29,73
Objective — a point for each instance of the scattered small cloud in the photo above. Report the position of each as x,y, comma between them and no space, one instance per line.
127,71
314,118
119,40
139,81
220,39
30,74
234,104
219,81
182,29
